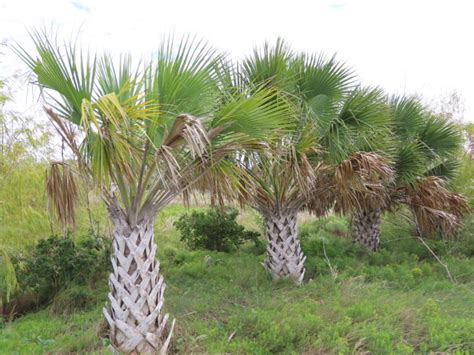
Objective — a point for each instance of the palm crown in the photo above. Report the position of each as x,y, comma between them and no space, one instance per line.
423,150
317,162
427,147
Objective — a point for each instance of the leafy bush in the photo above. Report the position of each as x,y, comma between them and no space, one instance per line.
214,229
58,261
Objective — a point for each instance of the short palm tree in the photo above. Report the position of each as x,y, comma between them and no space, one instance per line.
424,154
143,135
332,121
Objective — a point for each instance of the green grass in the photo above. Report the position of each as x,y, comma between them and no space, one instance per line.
399,300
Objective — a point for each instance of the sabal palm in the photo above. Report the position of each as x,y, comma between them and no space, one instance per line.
143,135
332,121
424,153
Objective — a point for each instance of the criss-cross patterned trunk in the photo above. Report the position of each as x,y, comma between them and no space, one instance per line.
366,228
284,256
136,297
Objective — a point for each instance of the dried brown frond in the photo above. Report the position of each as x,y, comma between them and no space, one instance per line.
278,179
189,133
303,172
191,130
62,191
68,134
223,183
169,165
361,181
323,197
213,175
436,209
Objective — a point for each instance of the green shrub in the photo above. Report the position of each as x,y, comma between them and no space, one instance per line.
214,229
57,261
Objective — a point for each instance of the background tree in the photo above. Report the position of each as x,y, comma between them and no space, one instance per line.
425,154
126,128
333,120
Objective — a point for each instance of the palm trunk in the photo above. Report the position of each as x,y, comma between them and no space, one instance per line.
134,315
366,228
284,256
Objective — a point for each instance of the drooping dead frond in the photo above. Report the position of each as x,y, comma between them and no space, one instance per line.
323,197
190,130
224,182
66,130
62,192
361,181
189,133
170,166
436,209
278,180
304,173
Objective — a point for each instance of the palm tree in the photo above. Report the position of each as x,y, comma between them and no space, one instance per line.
424,154
332,121
142,135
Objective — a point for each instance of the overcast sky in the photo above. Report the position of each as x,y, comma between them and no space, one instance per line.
404,46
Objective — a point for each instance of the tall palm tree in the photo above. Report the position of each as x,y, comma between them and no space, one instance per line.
424,153
332,121
143,135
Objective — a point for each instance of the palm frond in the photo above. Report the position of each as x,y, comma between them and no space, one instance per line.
63,70
122,78
182,79
62,193
440,137
321,77
409,116
112,139
436,209
186,131
446,169
254,116
361,182
410,162
271,66
361,124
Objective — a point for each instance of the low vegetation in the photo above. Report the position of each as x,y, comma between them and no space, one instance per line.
397,300
214,229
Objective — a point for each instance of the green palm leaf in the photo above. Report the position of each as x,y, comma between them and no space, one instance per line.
70,73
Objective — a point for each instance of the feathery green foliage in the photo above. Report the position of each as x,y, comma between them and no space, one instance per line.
8,281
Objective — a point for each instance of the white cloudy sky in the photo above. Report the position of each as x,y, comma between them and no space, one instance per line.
411,46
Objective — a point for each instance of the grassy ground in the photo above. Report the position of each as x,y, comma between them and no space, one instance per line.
399,300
